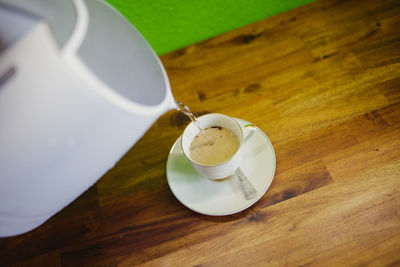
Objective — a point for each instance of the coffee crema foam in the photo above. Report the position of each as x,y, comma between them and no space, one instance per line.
217,145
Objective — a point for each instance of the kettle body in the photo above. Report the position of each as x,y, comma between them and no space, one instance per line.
75,95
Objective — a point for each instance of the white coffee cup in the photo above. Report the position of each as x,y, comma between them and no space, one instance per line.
227,168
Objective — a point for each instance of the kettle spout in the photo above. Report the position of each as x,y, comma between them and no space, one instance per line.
170,101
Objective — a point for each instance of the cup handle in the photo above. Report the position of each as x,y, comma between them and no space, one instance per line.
248,131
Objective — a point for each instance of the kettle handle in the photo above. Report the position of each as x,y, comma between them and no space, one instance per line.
81,26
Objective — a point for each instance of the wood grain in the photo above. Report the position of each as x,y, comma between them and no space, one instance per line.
323,82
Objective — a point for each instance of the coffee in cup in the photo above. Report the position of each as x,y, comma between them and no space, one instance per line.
227,162
213,146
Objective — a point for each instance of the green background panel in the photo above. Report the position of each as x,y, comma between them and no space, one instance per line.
171,24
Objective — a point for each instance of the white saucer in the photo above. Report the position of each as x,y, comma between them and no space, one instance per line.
222,198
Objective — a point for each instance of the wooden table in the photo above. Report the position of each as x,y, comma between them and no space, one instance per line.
323,82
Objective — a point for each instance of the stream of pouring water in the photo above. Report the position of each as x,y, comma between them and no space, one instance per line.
185,110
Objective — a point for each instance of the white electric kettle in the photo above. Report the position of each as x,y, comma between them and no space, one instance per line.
79,86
